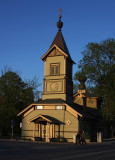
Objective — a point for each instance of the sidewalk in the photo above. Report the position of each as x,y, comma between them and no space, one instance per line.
110,140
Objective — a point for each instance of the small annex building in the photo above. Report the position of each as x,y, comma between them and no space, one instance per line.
60,114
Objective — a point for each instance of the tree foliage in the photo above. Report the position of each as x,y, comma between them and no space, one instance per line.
15,95
99,66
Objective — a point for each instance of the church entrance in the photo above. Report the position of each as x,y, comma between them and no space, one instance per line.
46,128
47,132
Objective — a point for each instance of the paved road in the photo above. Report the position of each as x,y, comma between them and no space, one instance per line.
16,150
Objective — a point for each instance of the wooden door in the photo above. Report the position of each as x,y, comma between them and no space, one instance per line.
47,132
44,132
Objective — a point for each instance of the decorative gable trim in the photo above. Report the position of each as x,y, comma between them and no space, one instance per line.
26,109
73,112
49,51
68,108
55,52
39,116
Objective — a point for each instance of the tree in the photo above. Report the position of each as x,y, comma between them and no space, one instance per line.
99,66
15,95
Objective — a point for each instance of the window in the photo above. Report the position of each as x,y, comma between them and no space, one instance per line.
59,107
39,107
54,69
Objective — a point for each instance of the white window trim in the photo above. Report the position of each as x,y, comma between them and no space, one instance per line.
39,107
59,107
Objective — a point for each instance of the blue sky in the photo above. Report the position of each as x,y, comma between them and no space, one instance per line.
28,27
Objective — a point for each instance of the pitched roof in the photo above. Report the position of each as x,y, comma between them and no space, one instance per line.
43,102
60,42
44,118
87,94
52,101
90,113
74,109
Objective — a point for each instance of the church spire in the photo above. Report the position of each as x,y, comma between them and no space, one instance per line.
59,23
59,41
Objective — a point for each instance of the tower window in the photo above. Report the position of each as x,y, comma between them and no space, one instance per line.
54,69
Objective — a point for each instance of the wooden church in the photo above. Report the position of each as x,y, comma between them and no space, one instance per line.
60,114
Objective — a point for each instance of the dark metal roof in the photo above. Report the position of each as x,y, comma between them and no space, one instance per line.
87,112
54,120
51,101
87,94
41,118
60,42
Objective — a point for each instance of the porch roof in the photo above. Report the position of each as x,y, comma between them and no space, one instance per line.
44,118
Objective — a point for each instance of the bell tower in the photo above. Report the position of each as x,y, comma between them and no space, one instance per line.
57,83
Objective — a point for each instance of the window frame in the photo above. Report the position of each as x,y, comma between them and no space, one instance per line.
54,69
59,107
39,107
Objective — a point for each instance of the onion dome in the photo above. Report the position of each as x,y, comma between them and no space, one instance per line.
82,78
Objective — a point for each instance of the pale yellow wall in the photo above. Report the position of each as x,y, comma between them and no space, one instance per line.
56,59
63,81
61,115
52,96
48,93
78,100
91,102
